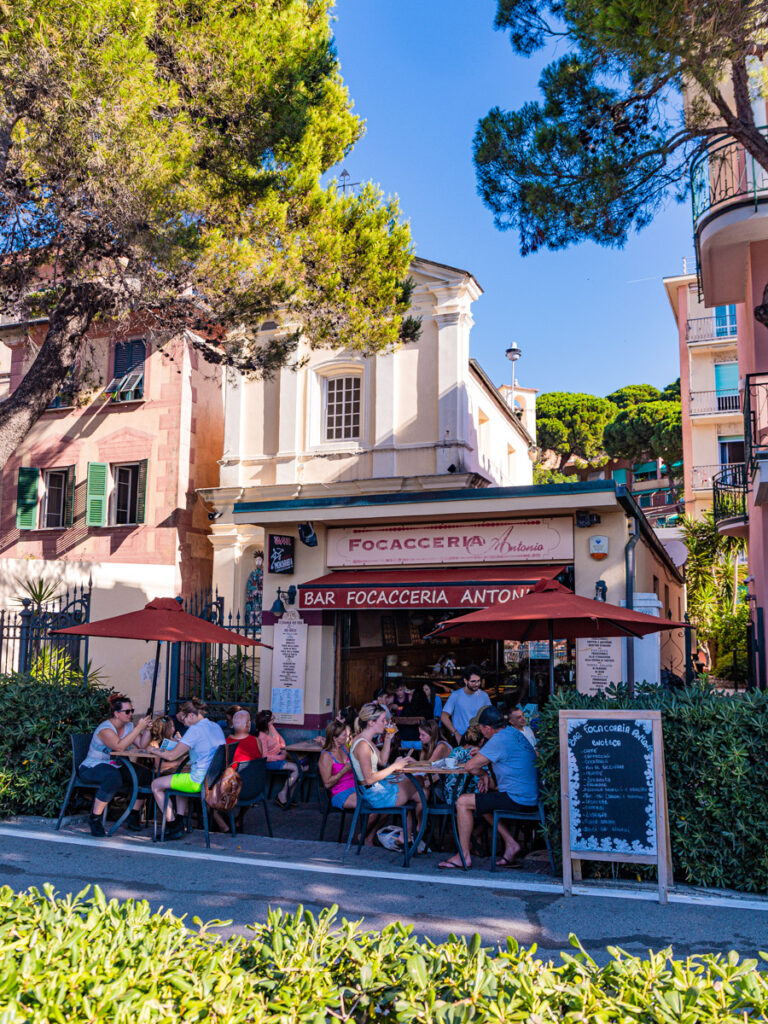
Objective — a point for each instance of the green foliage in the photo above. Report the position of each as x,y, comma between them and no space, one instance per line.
716,748
38,591
634,394
542,475
85,959
35,750
713,573
647,430
572,424
228,682
607,144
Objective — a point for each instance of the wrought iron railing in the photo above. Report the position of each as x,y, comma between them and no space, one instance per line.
724,173
729,493
755,418
28,646
705,403
710,328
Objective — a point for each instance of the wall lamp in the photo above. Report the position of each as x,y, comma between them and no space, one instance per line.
283,597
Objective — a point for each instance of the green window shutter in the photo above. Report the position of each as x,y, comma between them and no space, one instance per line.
141,492
69,497
26,499
96,497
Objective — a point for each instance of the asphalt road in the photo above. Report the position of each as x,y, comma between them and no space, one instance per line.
239,879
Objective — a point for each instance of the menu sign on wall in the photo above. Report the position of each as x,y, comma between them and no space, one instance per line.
613,792
280,553
544,539
598,663
289,667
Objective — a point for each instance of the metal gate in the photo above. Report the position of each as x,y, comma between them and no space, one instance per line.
26,643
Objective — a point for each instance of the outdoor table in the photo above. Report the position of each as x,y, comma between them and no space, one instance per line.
305,748
128,757
424,768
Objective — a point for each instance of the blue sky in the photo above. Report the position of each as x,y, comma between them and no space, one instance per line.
421,73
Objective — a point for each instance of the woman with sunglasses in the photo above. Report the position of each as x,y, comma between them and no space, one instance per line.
115,734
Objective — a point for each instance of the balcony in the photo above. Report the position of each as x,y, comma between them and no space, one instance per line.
756,434
729,190
729,500
710,329
710,403
701,476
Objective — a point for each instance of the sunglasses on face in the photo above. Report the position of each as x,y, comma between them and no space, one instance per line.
126,711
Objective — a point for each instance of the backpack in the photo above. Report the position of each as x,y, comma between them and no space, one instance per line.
225,792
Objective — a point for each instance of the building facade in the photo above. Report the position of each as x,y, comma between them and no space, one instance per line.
713,429
387,492
730,220
103,487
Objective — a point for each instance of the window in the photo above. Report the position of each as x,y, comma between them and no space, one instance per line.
55,498
66,396
116,493
342,408
55,512
731,450
126,482
127,384
725,321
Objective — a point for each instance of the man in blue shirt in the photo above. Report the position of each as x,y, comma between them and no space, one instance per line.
464,704
513,760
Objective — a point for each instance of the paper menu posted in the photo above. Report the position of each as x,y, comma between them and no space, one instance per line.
288,701
147,671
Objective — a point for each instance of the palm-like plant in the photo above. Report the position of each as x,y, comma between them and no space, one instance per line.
39,591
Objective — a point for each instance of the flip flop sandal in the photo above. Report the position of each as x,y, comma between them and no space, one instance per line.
448,865
509,862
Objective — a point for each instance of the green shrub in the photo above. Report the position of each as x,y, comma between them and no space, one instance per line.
716,750
35,750
83,959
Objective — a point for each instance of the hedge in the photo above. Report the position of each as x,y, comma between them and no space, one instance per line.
35,750
716,750
85,959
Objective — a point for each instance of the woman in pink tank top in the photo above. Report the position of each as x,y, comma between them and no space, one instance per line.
335,767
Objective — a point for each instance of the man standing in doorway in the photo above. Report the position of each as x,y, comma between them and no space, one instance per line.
464,704
513,760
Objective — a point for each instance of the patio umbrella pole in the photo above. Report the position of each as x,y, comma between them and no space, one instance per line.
551,657
151,710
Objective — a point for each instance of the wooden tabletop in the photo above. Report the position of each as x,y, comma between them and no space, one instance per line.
132,755
305,747
424,768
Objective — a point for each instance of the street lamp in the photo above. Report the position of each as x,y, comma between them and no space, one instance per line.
513,353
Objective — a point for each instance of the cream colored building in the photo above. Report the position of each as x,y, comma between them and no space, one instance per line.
713,428
388,490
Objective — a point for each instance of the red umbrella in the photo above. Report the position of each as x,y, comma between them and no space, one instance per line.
551,610
161,619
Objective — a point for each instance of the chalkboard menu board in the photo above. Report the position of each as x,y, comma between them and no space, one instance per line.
613,790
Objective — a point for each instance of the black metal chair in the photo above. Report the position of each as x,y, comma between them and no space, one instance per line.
537,817
80,743
440,808
328,810
254,790
215,768
363,810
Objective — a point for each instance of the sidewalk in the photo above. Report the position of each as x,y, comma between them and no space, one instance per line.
238,879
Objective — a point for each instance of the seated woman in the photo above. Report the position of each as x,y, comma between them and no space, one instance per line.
201,740
433,746
371,767
273,748
335,767
114,735
455,785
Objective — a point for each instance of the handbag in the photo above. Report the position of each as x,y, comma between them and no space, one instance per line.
225,792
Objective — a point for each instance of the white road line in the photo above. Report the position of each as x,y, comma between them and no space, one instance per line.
444,878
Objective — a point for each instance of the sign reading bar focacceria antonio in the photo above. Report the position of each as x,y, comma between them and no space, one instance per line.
613,791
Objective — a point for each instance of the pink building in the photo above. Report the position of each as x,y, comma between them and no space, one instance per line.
104,484
730,210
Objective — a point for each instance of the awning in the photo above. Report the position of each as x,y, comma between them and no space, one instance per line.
462,587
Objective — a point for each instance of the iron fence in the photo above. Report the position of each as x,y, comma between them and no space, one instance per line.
706,402
28,646
755,418
710,328
219,674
